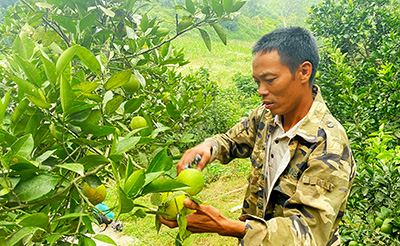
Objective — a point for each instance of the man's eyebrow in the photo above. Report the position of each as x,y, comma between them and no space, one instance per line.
266,74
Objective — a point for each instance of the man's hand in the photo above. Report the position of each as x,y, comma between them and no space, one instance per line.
208,219
203,149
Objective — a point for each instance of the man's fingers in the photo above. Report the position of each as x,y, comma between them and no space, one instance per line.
202,164
190,204
169,223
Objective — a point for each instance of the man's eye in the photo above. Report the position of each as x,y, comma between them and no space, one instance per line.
270,80
257,82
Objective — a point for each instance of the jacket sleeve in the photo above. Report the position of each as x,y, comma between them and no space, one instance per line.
312,213
238,142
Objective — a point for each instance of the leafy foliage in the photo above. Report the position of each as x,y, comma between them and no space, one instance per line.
359,77
64,113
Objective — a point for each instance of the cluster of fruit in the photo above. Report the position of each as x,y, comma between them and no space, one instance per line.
385,224
173,205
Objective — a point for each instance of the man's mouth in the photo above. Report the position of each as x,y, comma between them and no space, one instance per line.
267,104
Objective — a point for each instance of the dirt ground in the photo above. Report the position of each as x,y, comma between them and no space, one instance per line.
118,237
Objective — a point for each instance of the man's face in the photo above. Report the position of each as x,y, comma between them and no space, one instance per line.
280,91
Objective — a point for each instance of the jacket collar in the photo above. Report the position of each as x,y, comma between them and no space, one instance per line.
308,129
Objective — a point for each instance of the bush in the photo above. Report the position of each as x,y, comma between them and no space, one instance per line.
359,81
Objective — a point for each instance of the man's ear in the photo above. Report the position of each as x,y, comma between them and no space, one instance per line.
304,71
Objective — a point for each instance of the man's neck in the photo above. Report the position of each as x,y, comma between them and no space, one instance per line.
290,120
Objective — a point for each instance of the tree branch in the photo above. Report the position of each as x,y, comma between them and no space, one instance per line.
162,43
72,183
59,31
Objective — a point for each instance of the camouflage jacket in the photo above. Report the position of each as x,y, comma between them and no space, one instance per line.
308,200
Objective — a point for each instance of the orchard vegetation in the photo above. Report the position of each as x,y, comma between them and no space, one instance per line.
361,83
65,110
92,95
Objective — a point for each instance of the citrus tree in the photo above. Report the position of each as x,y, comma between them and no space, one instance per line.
90,96
360,81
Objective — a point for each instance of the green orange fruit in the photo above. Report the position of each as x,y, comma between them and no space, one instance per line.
353,243
387,227
192,178
95,194
173,206
132,85
138,122
378,221
166,97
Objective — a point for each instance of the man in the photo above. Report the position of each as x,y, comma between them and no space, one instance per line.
302,166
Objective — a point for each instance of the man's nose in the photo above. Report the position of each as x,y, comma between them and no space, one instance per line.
262,89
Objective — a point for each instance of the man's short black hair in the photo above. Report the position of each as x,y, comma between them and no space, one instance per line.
294,45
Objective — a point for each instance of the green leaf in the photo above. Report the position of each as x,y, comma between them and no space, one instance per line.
79,116
66,94
129,167
85,87
238,6
155,199
187,138
37,220
157,224
39,33
133,104
113,104
150,177
25,86
190,6
86,241
3,106
125,145
130,4
158,162
89,59
87,21
217,7
27,45
93,161
71,216
50,70
228,5
144,23
38,102
98,130
18,112
36,187
107,11
134,182
49,37
206,38
23,47
20,163
164,185
20,234
183,25
65,21
220,31
30,70
172,111
104,238
118,79
182,223
75,167
23,146
65,59
125,204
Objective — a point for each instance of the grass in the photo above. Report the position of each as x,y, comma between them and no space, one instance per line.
225,187
222,61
